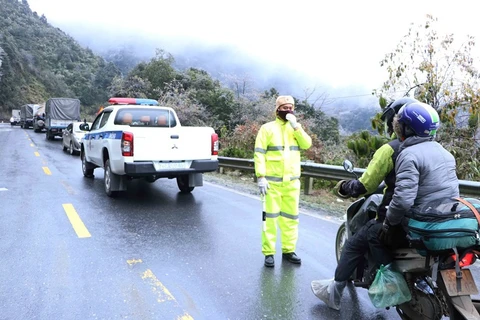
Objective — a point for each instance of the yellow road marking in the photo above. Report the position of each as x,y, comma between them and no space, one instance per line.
134,261
186,316
162,292
37,154
32,145
76,222
47,171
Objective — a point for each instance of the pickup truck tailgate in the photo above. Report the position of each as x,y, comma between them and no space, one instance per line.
172,144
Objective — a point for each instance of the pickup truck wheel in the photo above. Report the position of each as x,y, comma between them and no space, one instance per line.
182,183
87,172
107,180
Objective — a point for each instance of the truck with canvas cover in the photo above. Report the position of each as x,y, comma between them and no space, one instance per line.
26,115
59,112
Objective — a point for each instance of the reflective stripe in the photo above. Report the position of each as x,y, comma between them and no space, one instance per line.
275,148
283,214
272,215
269,178
280,179
289,216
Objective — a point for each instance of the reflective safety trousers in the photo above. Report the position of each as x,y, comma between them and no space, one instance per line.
277,158
281,207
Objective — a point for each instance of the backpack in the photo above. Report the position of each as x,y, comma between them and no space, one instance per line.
446,224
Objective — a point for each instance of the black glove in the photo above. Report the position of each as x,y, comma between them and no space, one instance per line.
339,191
385,235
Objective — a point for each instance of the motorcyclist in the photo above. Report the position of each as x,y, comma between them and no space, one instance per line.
381,168
425,172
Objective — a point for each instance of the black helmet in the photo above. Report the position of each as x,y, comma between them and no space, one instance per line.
392,109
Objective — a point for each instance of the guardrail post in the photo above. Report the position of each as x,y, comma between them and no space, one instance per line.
220,170
308,185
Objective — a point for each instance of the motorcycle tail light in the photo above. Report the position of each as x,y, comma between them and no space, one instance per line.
467,260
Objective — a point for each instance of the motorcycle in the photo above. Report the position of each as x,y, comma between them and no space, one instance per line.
440,285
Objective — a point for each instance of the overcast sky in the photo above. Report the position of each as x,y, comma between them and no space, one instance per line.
337,42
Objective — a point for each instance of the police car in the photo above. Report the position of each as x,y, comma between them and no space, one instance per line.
138,139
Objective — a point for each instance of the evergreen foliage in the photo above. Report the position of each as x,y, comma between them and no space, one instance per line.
41,61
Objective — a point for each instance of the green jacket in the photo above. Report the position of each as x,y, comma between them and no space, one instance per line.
381,168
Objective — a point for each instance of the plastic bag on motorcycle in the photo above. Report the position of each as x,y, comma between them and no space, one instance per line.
444,224
389,288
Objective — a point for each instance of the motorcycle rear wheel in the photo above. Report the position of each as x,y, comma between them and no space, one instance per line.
428,308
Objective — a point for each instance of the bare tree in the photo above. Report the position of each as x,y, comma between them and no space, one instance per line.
439,71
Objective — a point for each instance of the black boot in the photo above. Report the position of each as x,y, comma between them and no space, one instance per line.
292,257
269,261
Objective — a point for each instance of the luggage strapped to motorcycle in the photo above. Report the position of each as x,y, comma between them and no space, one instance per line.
458,272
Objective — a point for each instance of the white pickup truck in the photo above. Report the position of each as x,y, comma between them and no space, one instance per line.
135,138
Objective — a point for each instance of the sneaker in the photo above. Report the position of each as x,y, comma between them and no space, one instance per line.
269,261
292,257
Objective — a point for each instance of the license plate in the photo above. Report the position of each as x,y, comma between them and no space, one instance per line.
171,165
467,284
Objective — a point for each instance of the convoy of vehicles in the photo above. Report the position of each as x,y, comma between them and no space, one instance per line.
136,138
59,113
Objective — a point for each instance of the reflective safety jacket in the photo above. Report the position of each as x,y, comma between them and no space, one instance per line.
380,168
277,151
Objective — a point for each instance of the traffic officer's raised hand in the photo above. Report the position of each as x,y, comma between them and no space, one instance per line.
292,120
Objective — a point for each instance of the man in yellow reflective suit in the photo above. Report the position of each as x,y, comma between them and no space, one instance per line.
277,167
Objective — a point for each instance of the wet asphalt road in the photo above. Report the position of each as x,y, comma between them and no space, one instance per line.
70,252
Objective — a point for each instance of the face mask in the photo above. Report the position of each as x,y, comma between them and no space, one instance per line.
283,114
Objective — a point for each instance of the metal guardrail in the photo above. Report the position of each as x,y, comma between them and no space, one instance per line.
312,171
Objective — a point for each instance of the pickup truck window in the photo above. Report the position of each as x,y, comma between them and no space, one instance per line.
96,122
145,117
105,117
